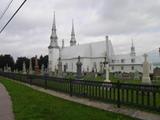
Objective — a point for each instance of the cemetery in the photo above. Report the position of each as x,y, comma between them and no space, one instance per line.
103,87
98,77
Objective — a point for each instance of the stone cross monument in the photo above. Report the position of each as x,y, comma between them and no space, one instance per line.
36,67
146,67
79,68
59,67
30,67
106,64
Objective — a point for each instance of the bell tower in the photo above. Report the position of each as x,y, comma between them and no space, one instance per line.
53,48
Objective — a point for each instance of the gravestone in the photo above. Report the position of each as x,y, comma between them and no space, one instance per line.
79,68
59,67
146,78
9,69
136,75
24,68
42,69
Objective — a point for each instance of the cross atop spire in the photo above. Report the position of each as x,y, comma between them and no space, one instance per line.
73,38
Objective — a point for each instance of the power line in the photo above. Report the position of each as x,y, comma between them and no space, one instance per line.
12,16
6,9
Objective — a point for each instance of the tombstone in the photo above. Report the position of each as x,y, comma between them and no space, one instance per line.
136,75
15,71
79,68
24,68
146,67
6,68
30,67
36,67
42,69
9,69
59,67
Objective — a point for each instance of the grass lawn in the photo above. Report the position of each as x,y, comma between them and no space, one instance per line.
29,104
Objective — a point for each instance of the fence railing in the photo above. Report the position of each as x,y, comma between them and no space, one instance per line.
135,95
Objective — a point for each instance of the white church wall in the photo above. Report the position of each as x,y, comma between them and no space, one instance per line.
53,58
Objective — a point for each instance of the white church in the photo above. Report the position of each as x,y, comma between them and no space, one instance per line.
92,56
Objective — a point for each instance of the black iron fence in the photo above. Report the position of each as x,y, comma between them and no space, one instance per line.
135,95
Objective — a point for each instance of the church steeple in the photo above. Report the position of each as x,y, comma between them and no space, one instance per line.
54,38
133,53
73,38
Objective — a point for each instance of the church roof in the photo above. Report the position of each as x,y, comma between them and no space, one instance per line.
97,49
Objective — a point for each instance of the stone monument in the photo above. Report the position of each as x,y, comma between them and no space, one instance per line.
36,67
24,68
79,68
136,75
30,67
42,69
59,67
146,67
106,64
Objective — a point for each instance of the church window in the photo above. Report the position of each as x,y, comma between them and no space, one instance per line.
122,68
132,60
132,67
122,60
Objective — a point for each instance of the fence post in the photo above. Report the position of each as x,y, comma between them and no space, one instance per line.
118,94
71,87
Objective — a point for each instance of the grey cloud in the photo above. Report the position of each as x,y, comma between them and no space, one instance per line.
29,32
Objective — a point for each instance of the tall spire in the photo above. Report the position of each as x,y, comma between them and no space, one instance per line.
73,33
73,38
54,23
133,53
53,38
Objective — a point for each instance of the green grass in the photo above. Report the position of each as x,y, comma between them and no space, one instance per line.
29,104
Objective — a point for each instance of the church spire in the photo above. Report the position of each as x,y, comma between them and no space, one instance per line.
53,37
133,53
73,33
73,38
54,23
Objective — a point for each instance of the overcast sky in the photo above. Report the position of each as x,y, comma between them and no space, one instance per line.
122,20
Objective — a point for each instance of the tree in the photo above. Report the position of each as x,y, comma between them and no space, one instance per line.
6,60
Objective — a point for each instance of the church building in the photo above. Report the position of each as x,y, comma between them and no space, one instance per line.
92,55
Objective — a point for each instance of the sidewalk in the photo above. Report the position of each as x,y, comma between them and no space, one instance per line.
108,107
5,105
